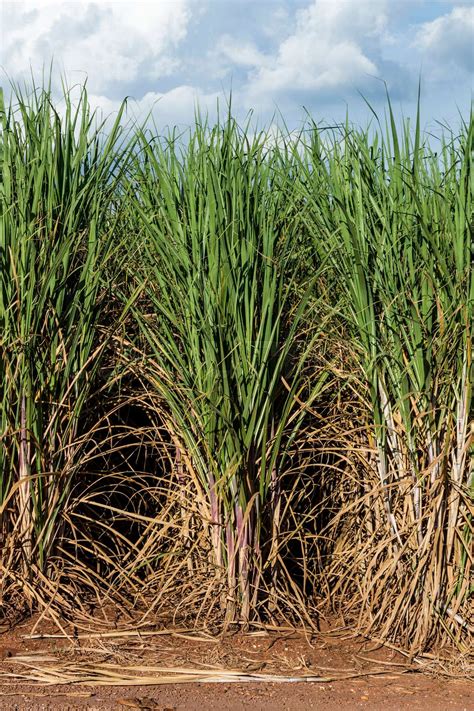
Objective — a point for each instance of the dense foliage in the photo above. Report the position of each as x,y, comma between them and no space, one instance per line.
236,371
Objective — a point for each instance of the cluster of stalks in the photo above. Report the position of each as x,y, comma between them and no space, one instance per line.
236,371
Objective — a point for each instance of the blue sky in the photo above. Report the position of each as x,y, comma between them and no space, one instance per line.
274,54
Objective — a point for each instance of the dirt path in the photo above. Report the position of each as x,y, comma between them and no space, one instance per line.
156,670
420,694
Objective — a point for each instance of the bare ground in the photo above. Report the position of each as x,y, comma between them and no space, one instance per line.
192,671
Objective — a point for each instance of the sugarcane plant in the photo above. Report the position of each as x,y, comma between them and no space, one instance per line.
398,218
221,339
57,173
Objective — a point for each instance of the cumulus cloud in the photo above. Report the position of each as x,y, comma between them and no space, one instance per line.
171,53
109,41
329,48
238,53
448,39
167,109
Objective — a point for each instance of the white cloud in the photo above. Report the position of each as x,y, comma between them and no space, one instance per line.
171,108
448,40
274,52
241,54
325,51
109,41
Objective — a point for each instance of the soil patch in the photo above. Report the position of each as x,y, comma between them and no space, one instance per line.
183,670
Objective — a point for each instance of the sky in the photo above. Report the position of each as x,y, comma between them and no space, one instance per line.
278,57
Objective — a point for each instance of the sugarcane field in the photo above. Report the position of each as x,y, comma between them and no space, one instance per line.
236,414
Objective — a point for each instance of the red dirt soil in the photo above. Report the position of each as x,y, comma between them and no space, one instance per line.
376,677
